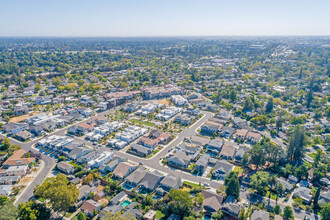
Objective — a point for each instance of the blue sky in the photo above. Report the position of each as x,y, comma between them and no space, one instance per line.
163,18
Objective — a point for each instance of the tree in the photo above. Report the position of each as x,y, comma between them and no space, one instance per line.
6,144
279,190
180,202
325,211
199,198
270,105
316,198
81,216
277,209
59,192
245,159
37,88
297,143
309,98
89,178
33,210
8,211
257,155
248,104
259,181
3,199
117,216
233,96
318,157
302,172
217,216
233,187
260,120
61,158
287,213
241,215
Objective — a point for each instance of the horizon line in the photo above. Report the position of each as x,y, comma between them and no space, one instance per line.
160,36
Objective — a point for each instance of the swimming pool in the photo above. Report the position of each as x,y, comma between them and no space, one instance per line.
125,203
127,187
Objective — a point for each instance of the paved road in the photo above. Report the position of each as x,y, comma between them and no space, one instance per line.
45,168
155,161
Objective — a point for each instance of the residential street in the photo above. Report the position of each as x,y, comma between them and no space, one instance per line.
152,163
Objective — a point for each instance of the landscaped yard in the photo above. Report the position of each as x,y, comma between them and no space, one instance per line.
272,196
159,214
190,184
142,122
239,170
312,155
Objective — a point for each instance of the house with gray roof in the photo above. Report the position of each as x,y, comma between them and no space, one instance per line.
260,215
214,146
221,169
286,185
169,182
151,180
179,159
231,210
227,132
202,163
117,199
65,167
5,190
324,197
304,193
140,150
212,201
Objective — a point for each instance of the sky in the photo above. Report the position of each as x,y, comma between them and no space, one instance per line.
131,18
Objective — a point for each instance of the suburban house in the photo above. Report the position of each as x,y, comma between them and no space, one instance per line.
239,123
240,134
17,170
140,150
221,169
240,153
202,163
89,206
169,182
123,169
214,146
253,137
211,127
65,167
14,128
212,201
304,193
231,210
227,132
324,197
17,160
228,151
179,159
260,215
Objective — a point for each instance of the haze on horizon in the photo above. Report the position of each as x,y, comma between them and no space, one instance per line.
131,18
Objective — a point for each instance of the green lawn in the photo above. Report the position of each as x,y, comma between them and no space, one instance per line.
239,170
272,196
190,184
159,214
42,199
312,155
142,122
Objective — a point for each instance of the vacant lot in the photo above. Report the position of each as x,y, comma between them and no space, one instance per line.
22,117
162,101
142,122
